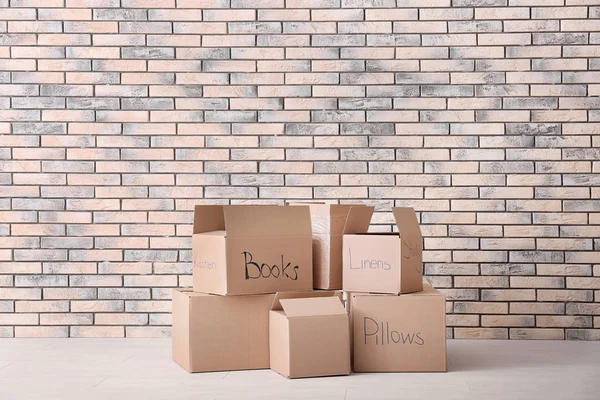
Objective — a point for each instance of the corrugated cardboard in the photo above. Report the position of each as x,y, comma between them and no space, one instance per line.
309,335
220,333
328,222
405,333
382,263
251,249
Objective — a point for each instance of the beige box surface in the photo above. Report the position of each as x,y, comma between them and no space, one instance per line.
380,262
405,333
251,249
220,333
309,335
328,222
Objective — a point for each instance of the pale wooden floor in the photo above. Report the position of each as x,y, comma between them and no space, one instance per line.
107,369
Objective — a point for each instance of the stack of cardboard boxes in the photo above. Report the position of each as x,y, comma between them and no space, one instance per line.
253,304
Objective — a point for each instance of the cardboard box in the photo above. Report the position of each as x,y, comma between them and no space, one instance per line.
405,333
309,335
383,262
251,249
328,222
220,333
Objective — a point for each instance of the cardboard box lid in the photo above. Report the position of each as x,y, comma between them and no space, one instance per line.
406,220
359,219
312,307
327,218
208,218
302,295
252,220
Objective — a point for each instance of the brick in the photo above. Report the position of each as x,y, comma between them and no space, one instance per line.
507,269
480,281
18,319
66,319
508,294
41,331
69,268
21,293
462,320
480,308
121,319
481,333
40,281
564,269
69,293
583,283
582,309
97,331
536,334
563,321
537,308
507,320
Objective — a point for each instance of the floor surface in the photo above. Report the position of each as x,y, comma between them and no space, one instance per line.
107,369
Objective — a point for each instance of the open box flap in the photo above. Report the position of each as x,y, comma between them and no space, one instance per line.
406,220
259,220
302,295
312,307
339,216
208,218
319,215
359,219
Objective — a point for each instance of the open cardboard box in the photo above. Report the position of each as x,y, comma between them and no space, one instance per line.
379,262
220,333
328,222
405,333
309,335
251,249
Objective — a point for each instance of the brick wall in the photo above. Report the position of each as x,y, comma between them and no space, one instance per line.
117,116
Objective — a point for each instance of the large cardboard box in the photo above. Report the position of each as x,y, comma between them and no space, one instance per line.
220,333
251,249
383,262
309,335
405,333
328,222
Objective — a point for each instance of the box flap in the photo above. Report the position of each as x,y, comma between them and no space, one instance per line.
338,216
406,220
320,217
302,295
259,220
359,219
312,307
208,218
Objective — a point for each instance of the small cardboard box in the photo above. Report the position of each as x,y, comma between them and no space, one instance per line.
309,335
381,262
220,333
251,249
328,222
405,333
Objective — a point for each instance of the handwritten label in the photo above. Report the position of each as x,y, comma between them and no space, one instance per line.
410,250
255,270
204,264
379,333
368,263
